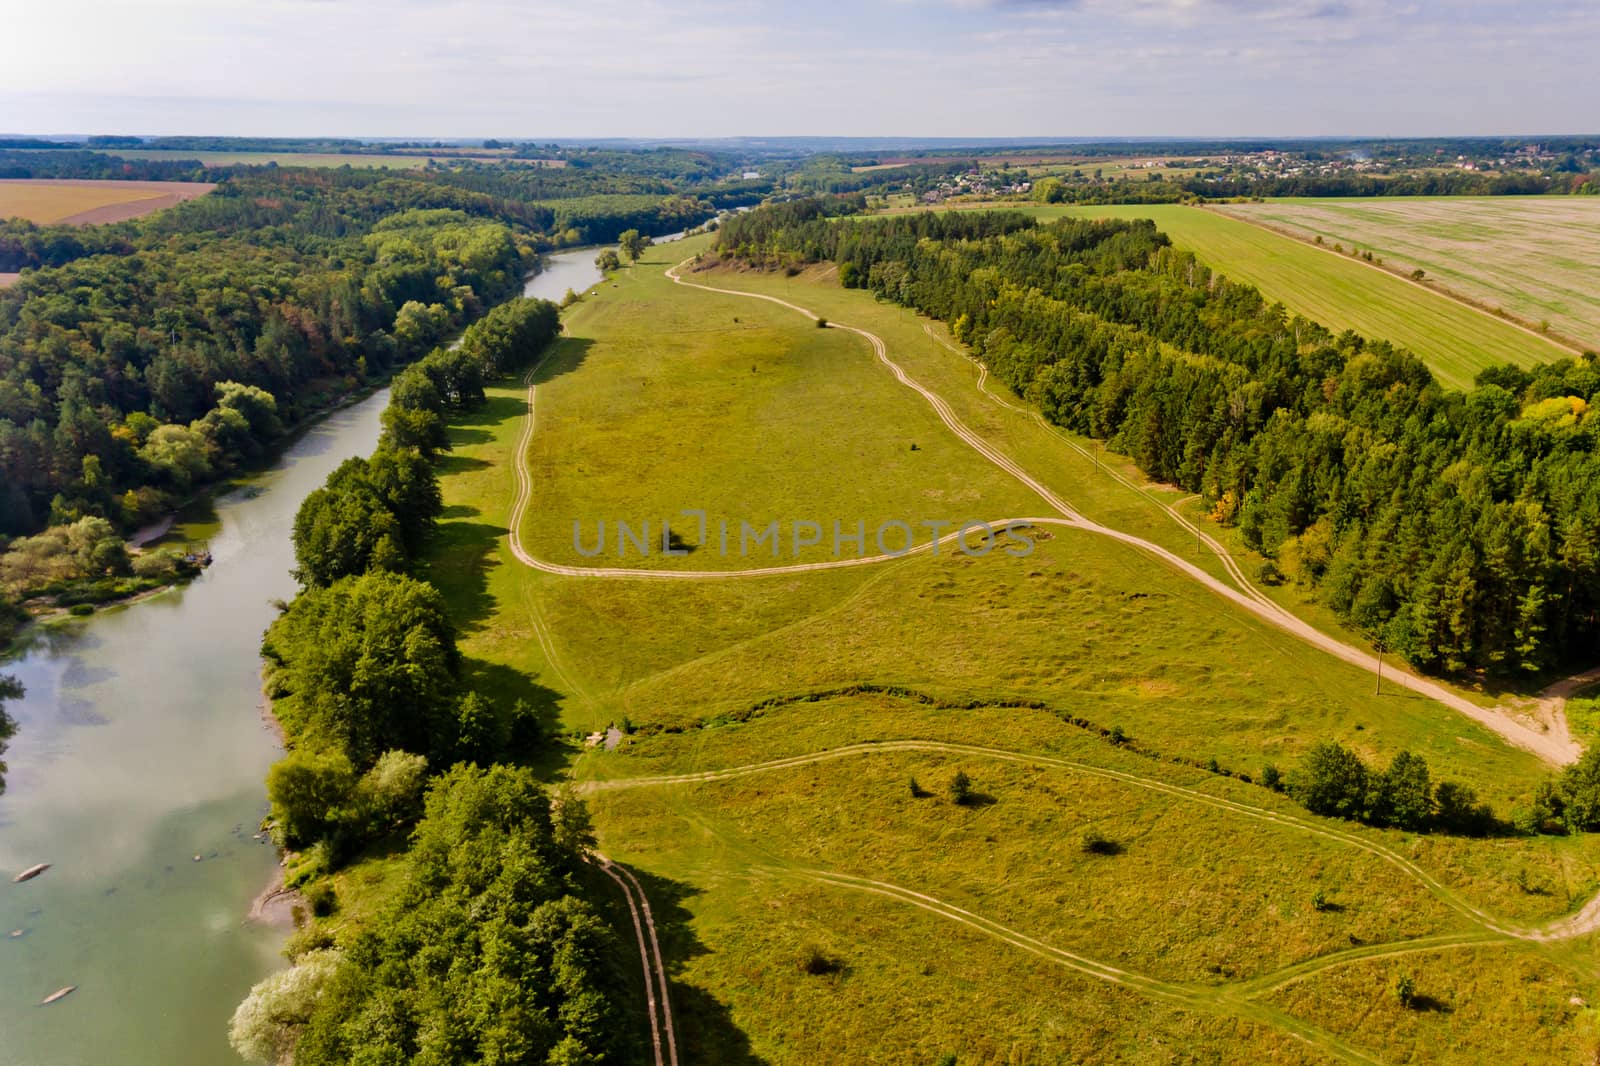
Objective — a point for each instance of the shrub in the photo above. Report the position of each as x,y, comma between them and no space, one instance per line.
1272,777
322,898
822,323
961,788
1331,781
1405,990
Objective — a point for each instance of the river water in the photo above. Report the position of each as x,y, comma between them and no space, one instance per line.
141,746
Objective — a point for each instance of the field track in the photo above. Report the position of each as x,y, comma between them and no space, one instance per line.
655,970
1553,747
1238,1000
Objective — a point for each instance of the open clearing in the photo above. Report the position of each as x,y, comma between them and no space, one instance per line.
816,910
84,202
1537,257
1341,292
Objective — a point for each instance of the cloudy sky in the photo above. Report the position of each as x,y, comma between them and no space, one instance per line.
705,68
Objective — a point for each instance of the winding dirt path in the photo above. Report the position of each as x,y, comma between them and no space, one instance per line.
1584,921
1189,997
1555,749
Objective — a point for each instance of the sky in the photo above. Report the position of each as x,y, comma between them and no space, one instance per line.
715,68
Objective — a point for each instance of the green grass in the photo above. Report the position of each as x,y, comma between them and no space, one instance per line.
650,404
1456,341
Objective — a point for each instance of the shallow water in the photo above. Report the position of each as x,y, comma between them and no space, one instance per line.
141,745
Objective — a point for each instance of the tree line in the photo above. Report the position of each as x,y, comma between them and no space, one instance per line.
487,951
1458,529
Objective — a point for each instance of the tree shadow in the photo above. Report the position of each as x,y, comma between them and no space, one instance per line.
448,463
540,747
1429,1005
567,356
704,1027
460,558
462,433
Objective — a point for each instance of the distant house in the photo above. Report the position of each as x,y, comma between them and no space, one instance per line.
751,175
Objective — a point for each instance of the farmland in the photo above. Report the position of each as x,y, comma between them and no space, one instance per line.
282,159
797,898
1456,341
85,202
1533,256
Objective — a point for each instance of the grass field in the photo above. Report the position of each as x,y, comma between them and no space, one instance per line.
1538,257
79,201
1455,340
821,912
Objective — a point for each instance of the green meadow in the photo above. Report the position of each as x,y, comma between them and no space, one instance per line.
824,911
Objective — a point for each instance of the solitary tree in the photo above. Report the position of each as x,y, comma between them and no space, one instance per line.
607,260
961,788
633,243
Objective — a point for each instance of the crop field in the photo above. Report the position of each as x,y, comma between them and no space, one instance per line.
1341,292
282,159
1538,257
81,202
784,790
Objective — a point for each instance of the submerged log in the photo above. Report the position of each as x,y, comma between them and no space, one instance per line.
60,993
30,873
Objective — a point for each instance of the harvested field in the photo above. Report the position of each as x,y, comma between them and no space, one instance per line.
1538,257
81,202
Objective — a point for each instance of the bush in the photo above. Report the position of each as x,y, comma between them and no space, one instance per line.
1272,777
309,791
1332,781
322,898
961,788
1405,990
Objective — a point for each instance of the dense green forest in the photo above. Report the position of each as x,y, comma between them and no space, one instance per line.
487,951
115,364
1461,530
123,347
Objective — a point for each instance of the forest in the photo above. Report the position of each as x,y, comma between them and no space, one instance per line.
302,284
487,951
1460,530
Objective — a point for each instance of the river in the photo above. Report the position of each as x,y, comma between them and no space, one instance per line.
140,747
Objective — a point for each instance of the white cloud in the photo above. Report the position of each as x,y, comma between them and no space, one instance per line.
713,67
